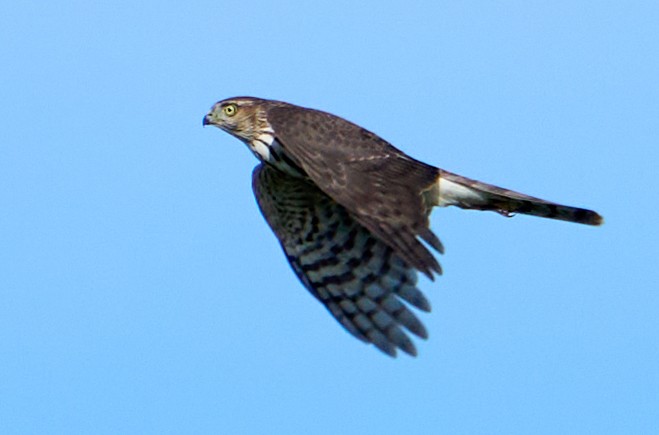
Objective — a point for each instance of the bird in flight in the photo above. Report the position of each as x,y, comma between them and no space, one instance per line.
351,212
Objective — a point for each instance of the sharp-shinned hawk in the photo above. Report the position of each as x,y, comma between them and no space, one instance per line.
351,212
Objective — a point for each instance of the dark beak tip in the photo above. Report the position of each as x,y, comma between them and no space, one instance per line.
205,122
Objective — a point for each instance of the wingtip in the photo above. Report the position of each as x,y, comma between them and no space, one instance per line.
434,269
411,351
392,352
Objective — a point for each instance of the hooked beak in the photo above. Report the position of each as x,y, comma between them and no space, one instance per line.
207,121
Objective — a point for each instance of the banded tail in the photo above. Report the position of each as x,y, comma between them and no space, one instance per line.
471,194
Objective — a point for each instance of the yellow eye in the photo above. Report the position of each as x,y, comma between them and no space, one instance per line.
230,109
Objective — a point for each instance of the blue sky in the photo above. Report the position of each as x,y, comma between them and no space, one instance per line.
142,292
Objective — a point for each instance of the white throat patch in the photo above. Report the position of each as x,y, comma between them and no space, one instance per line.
260,146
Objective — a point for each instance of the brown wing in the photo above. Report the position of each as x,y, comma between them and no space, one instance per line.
380,186
360,279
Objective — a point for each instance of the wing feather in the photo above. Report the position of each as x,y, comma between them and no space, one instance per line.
361,280
378,184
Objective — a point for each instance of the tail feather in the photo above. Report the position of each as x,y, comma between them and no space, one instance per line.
471,194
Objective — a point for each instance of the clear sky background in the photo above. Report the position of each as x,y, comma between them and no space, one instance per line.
142,292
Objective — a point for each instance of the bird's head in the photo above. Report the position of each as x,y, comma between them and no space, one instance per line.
243,117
